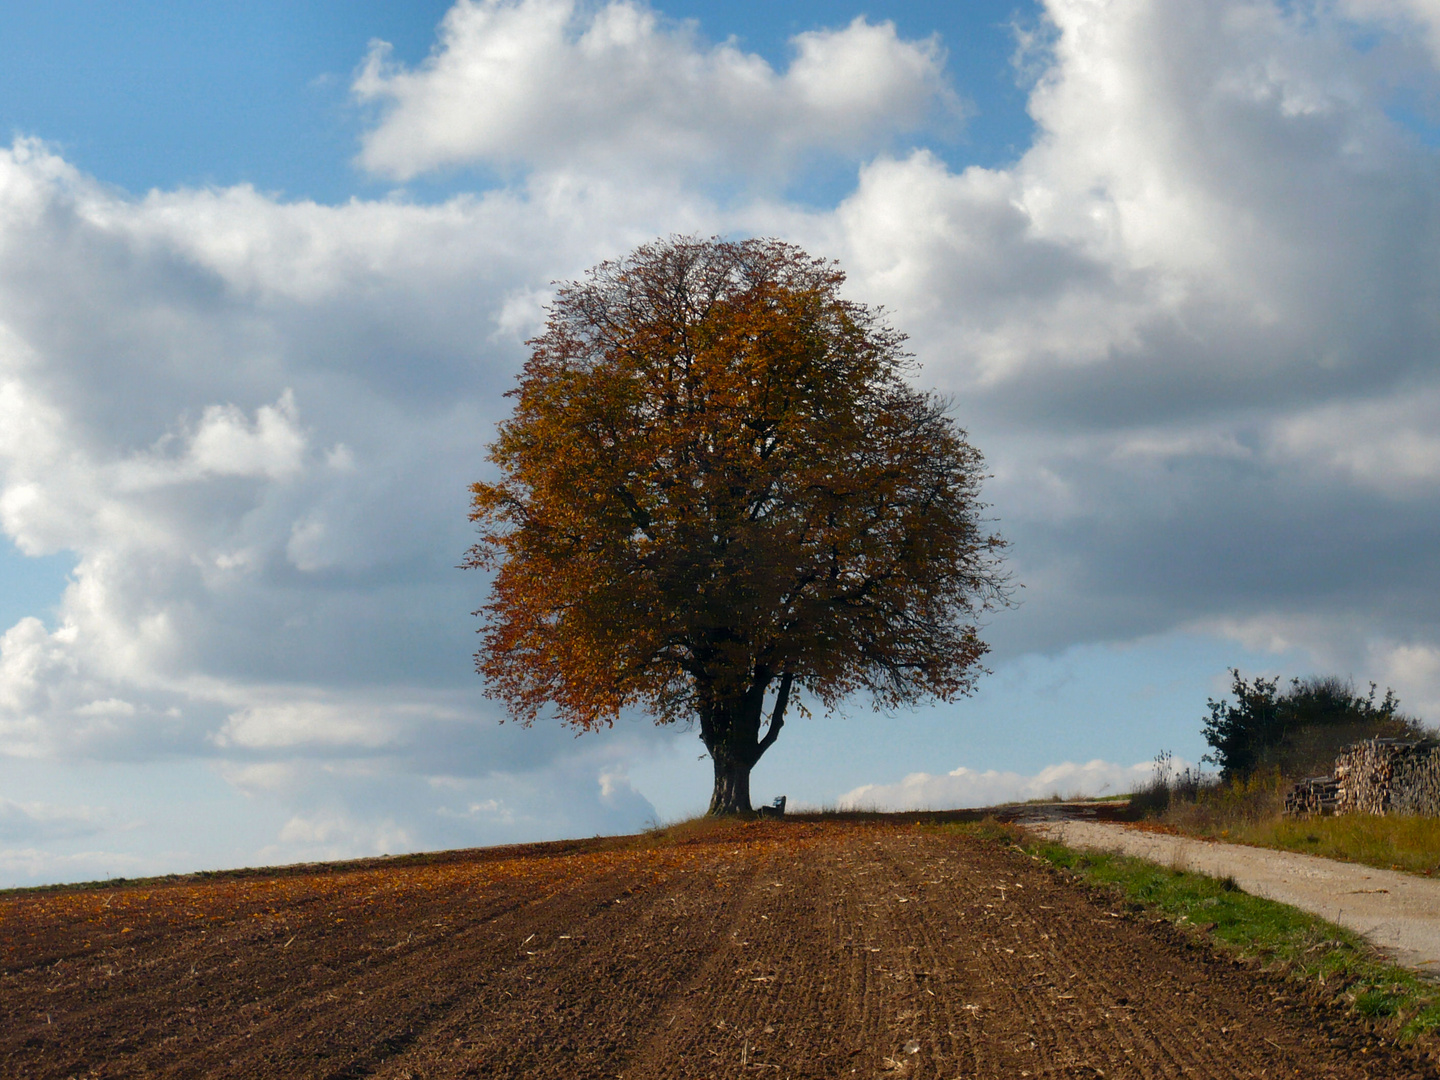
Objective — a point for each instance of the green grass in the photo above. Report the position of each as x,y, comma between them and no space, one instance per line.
1308,949
1393,842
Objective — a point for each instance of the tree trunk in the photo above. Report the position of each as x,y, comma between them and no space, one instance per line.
732,787
731,733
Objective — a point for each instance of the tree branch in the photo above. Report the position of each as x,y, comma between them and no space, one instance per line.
638,515
777,717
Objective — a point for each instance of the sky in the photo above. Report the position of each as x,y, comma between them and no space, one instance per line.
267,270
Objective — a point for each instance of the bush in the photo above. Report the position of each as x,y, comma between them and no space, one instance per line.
1299,730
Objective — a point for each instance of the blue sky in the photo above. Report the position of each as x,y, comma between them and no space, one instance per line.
263,280
151,95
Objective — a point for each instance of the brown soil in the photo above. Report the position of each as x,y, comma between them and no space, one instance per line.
771,949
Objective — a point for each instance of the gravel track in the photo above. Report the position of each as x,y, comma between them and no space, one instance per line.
1396,912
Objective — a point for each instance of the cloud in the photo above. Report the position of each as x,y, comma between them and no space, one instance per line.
553,83
254,424
1359,648
336,836
966,788
35,866
290,724
1390,445
1413,668
43,821
1406,20
1180,223
1192,326
336,806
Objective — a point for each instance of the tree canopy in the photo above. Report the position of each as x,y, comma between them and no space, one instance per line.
717,489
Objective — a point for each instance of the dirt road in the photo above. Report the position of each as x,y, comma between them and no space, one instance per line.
1397,912
774,949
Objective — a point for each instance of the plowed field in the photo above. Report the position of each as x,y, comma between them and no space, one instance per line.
772,949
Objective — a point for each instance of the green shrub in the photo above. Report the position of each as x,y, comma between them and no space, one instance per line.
1299,730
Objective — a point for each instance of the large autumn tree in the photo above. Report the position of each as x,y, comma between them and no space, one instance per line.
718,490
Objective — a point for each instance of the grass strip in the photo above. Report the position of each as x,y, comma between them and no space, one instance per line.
1250,811
1391,842
1304,947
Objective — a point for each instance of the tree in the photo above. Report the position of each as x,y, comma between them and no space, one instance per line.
717,489
1239,733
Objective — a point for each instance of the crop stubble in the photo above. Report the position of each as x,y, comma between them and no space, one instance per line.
772,949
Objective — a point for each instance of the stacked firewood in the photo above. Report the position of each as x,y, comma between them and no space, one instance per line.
1389,776
1317,795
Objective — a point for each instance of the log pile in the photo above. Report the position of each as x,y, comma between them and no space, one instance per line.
1317,795
1376,776
1389,776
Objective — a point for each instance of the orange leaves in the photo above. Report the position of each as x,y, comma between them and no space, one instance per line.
294,908
716,473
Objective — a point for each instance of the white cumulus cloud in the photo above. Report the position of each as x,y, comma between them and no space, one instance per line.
614,85
965,788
